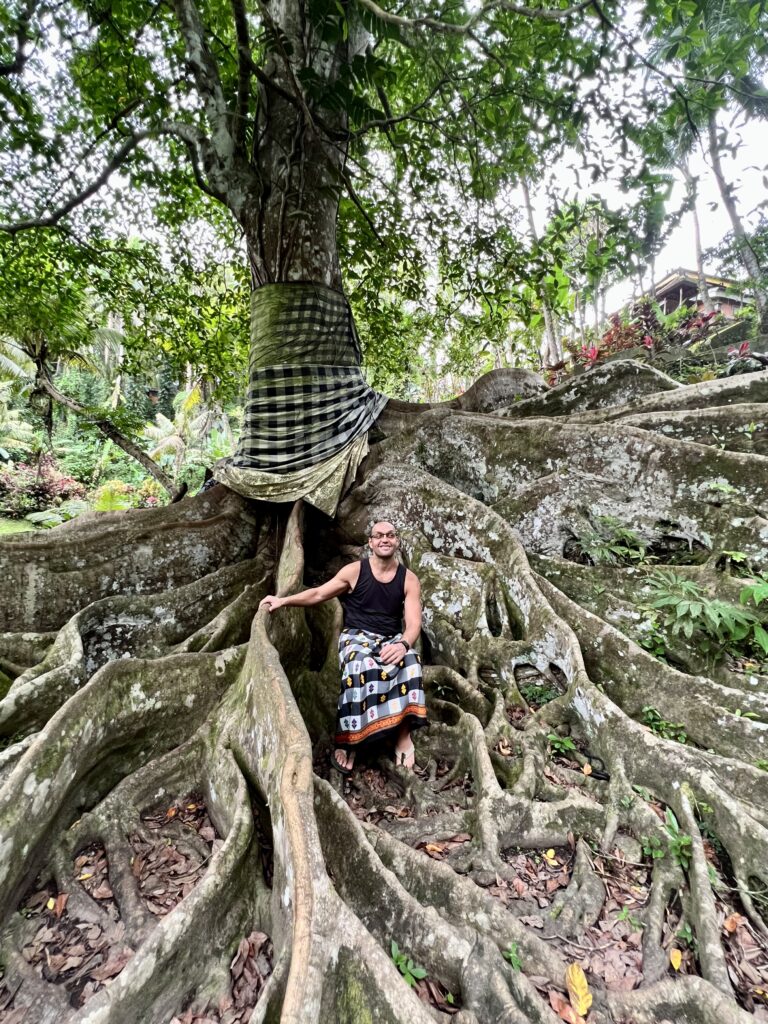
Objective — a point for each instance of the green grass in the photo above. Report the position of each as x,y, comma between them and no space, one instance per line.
14,526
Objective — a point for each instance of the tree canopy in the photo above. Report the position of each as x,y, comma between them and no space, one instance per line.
123,117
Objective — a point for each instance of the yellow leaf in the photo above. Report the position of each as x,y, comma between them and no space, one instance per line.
51,904
85,877
549,857
578,989
587,768
675,958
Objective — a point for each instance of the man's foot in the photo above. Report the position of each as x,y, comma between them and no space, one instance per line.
343,760
405,754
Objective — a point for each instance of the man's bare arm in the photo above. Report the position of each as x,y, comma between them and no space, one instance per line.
391,653
412,609
341,583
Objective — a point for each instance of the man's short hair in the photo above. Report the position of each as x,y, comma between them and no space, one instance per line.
376,522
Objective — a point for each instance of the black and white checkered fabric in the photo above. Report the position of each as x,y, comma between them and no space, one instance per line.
302,412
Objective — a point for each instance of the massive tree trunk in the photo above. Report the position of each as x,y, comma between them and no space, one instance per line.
171,829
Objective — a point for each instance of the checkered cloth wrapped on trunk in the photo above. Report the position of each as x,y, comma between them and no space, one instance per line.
303,411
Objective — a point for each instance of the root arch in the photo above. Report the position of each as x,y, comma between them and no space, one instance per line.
547,823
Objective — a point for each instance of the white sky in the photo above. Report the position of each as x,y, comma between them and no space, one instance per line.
744,171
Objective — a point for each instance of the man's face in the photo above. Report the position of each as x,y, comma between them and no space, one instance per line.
383,540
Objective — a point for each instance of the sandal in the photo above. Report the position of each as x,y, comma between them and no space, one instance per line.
340,768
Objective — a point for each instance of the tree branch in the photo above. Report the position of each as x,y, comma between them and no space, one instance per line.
243,73
206,75
199,149
345,176
539,13
52,219
20,58
110,431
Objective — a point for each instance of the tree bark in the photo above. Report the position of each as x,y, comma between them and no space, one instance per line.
553,351
690,180
145,690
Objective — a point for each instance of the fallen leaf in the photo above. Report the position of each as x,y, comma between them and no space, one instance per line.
113,966
578,989
563,1008
675,958
549,857
732,922
435,850
532,920
587,768
57,905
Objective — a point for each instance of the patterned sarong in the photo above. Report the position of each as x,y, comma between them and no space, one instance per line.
376,699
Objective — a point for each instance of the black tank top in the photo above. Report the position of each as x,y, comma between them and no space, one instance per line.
375,606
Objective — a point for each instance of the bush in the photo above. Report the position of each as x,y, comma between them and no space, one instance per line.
25,488
112,496
150,493
79,456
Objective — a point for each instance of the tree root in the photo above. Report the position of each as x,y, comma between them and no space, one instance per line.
530,690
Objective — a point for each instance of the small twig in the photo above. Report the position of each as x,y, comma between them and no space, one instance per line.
579,945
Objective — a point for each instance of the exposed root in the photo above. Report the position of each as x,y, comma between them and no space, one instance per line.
546,823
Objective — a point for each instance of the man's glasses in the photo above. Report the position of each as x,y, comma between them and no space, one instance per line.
384,536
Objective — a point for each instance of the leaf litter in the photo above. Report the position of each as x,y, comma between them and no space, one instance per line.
248,972
84,955
171,852
68,950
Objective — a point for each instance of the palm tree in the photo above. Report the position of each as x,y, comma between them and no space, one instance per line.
15,433
189,429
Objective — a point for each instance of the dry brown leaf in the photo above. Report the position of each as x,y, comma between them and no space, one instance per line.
587,768
59,904
434,850
732,922
113,966
563,1008
578,989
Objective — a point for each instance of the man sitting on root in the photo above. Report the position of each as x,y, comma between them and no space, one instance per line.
381,692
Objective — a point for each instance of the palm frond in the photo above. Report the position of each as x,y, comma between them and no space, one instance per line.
174,445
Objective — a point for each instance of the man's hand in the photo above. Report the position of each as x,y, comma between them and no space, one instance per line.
272,603
390,653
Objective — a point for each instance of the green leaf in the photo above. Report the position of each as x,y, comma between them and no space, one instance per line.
761,636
